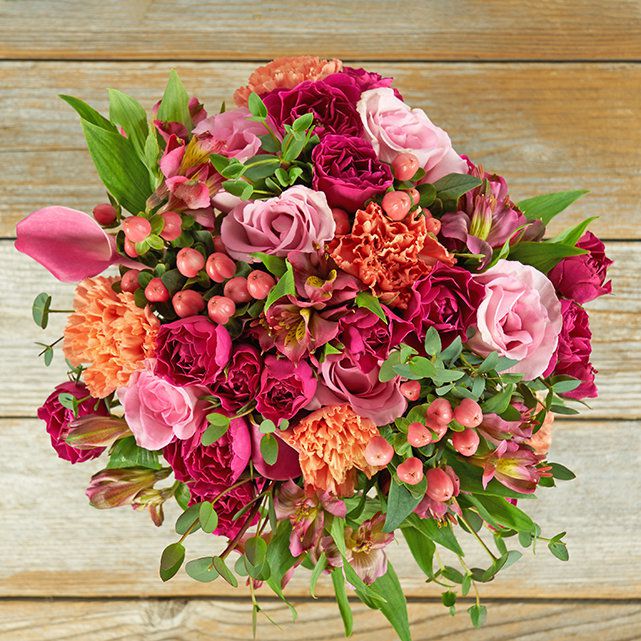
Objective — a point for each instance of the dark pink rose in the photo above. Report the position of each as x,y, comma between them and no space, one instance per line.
366,80
192,350
332,101
367,339
57,419
237,384
582,278
285,388
446,299
347,170
572,356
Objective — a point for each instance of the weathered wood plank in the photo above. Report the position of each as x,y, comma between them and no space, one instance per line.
53,544
372,29
545,127
184,620
24,381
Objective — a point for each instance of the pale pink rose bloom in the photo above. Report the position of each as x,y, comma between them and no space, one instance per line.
298,220
394,128
520,317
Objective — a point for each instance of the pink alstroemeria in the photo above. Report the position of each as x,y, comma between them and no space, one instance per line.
306,512
366,548
68,243
117,487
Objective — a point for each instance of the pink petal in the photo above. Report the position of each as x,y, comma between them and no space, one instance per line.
286,466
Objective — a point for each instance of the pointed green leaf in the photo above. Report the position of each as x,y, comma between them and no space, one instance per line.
129,114
369,301
88,113
400,504
285,286
453,186
571,236
126,453
221,567
338,581
171,560
543,256
547,206
174,106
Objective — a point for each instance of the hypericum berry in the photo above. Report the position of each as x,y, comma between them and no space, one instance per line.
466,442
218,244
189,262
220,267
172,225
156,292
418,435
410,471
136,228
220,309
343,226
439,485
105,214
468,413
414,195
236,289
188,303
440,411
439,430
129,281
410,390
404,166
396,204
378,452
259,284
130,249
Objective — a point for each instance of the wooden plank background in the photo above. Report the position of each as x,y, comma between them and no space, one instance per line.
547,93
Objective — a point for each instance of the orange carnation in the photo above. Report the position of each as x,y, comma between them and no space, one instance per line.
285,73
389,256
109,331
331,446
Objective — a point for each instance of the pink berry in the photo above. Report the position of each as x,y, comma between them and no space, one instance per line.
466,442
156,292
136,228
189,262
259,284
410,471
218,244
469,413
188,303
236,289
404,166
130,249
378,452
172,225
396,204
129,281
343,226
220,309
410,390
440,411
439,430
439,485
220,267
418,435
414,195
105,214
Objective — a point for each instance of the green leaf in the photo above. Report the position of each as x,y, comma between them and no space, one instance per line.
88,113
440,534
40,309
126,453
453,186
400,504
239,188
338,581
547,206
303,123
171,560
218,426
207,517
559,550
261,167
182,495
202,569
274,264
561,472
129,114
321,564
256,106
256,551
497,511
267,427
124,175
448,599
280,561
269,448
478,615
369,301
543,256
422,549
285,286
572,235
470,478
221,567
386,372
432,342
174,106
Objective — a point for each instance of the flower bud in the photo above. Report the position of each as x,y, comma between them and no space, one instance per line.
378,452
236,289
172,225
188,302
189,262
259,284
92,431
105,214
220,267
116,487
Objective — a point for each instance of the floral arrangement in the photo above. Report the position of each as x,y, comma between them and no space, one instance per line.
322,330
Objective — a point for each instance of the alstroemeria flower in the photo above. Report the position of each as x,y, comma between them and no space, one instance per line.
116,487
366,548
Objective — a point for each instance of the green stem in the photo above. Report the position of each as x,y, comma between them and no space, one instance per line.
477,537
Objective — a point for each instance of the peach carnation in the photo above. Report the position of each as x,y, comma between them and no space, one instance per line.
285,73
331,446
390,256
110,332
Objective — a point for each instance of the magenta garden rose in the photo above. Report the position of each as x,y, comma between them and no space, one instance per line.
323,331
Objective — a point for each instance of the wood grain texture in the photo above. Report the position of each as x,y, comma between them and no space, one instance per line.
363,29
545,127
53,543
181,620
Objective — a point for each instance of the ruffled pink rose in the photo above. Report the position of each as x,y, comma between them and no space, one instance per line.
237,384
57,419
231,133
342,381
298,220
520,317
285,388
158,412
394,128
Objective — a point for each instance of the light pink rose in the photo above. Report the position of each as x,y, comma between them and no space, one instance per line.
341,380
298,220
231,134
394,128
157,412
520,317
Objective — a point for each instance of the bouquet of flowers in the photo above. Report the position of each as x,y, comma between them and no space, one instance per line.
321,329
